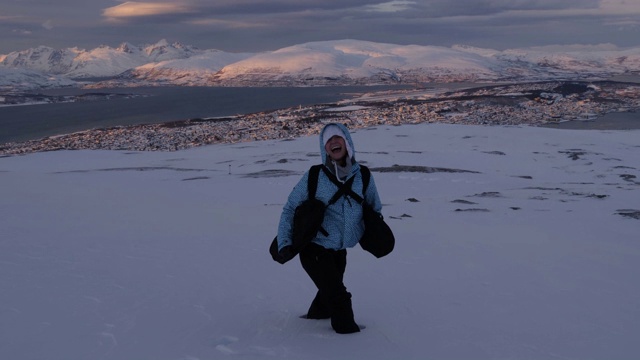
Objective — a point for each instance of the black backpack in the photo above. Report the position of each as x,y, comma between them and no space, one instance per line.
378,238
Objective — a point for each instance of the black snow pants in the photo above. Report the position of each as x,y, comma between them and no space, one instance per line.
326,270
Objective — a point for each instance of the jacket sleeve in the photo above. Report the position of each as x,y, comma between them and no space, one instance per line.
296,197
372,197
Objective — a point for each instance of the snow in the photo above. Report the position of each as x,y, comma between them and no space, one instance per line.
132,255
28,80
195,70
357,59
346,108
209,61
324,62
102,61
43,59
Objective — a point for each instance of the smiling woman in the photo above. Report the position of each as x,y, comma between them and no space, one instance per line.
135,9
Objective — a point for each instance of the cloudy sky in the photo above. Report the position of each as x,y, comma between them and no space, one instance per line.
260,25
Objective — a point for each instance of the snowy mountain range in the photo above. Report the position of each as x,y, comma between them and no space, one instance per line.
340,62
103,61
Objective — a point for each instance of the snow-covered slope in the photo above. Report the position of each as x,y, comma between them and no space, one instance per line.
340,62
597,60
11,79
103,61
358,60
533,253
197,70
42,58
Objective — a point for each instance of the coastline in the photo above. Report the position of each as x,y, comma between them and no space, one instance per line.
624,120
64,111
562,105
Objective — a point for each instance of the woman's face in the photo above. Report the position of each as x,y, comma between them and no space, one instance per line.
336,148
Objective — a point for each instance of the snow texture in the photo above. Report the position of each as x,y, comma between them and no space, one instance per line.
512,243
28,79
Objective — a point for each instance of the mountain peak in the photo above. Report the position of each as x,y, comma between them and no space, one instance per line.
126,47
334,62
162,42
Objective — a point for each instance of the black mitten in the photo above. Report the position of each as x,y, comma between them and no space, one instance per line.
285,254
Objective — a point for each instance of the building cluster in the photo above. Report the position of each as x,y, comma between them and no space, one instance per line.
533,104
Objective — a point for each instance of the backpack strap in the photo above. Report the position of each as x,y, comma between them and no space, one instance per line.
366,177
343,188
312,181
312,186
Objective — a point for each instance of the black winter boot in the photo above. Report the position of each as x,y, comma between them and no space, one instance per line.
319,308
342,318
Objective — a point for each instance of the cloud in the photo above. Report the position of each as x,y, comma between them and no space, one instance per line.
48,25
21,32
133,9
250,25
228,23
390,7
619,7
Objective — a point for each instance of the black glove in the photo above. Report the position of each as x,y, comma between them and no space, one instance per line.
285,254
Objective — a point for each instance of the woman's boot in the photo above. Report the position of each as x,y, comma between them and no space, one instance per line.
342,317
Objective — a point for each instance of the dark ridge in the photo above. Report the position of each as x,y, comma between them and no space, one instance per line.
420,169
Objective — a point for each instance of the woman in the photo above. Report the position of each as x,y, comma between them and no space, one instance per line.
325,258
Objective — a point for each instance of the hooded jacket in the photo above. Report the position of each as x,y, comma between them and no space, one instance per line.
343,219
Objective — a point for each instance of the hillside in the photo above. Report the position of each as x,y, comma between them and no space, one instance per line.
340,62
531,253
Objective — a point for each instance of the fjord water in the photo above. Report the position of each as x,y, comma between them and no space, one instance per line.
157,105
625,120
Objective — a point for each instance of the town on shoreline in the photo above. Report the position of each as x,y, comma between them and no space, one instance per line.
533,104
